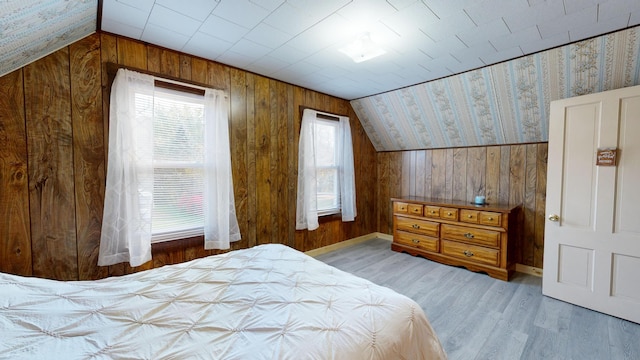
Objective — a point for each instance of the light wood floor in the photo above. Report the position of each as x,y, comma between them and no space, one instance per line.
477,317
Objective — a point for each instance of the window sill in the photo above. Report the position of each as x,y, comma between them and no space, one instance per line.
178,244
329,217
176,235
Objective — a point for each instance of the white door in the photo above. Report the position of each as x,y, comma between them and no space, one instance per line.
592,232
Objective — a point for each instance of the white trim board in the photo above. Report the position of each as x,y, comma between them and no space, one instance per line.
347,243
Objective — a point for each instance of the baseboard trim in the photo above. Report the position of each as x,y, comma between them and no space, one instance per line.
531,270
384,236
525,269
347,243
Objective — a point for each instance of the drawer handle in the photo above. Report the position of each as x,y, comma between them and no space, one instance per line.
433,212
415,226
468,253
415,241
490,219
470,216
449,213
468,235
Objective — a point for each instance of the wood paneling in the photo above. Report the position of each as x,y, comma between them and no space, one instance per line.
54,129
51,170
238,143
15,248
541,196
383,193
251,161
509,174
263,160
492,174
88,152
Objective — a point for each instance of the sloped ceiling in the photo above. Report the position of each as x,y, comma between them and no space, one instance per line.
31,29
506,103
297,40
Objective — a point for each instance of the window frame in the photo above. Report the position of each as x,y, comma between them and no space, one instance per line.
323,115
328,120
126,220
175,92
186,88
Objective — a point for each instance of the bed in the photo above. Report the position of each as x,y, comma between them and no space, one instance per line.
266,302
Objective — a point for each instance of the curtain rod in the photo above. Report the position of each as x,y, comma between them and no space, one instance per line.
323,114
327,117
165,81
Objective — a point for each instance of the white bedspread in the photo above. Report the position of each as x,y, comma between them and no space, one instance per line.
267,302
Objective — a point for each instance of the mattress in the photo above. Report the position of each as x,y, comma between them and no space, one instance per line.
266,302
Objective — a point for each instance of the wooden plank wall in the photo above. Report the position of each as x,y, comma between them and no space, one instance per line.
54,131
511,174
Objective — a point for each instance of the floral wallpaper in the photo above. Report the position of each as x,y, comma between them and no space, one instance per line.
31,29
506,103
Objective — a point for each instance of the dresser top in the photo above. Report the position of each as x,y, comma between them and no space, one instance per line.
456,203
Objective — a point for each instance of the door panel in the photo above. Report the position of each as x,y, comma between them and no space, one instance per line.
579,174
624,279
575,267
628,168
592,248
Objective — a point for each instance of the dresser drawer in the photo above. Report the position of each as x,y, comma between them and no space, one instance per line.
432,211
449,213
471,235
469,216
416,226
421,242
470,252
400,207
490,218
415,209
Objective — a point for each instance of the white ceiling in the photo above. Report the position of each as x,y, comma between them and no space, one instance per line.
297,41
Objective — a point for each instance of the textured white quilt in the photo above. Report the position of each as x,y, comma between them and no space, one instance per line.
267,302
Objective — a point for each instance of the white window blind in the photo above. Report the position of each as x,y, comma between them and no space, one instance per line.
178,165
327,167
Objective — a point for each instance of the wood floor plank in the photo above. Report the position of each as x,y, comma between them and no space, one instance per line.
588,341
624,339
499,295
459,308
478,317
504,343
468,337
553,315
544,344
524,304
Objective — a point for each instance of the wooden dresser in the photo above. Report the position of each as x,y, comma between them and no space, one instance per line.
478,237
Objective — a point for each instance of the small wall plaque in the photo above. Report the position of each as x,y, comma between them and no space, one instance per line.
606,157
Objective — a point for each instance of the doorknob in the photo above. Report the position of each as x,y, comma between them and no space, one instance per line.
554,217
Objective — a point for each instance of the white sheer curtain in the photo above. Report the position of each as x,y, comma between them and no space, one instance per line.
347,173
220,222
126,224
307,206
126,221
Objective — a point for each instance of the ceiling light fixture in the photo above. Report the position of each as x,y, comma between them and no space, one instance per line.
362,49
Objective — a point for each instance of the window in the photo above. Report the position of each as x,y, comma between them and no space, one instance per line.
169,169
178,165
327,165
326,183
